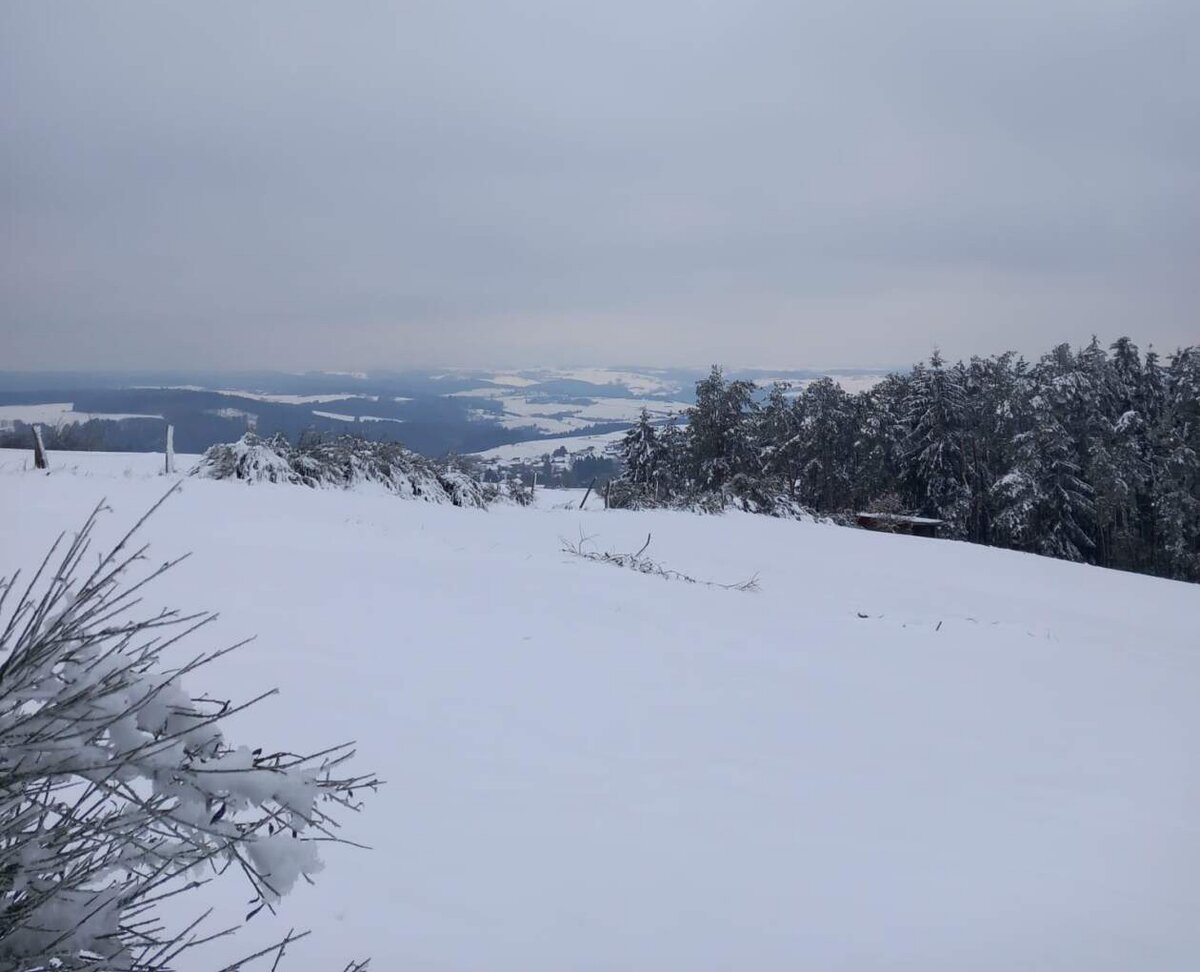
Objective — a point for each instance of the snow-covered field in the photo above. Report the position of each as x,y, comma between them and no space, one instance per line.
274,398
338,416
642,381
554,416
57,413
536,448
897,754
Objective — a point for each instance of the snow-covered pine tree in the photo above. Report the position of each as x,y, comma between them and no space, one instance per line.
1127,373
640,454
673,461
934,461
1044,505
878,443
996,407
827,437
718,443
1175,477
777,439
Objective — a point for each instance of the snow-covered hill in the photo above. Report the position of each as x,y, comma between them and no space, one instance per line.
896,754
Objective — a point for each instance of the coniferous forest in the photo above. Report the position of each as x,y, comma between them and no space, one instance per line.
1090,455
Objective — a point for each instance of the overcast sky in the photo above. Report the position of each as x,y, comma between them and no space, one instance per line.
507,182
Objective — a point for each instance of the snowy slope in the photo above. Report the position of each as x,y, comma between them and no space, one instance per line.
96,465
593,769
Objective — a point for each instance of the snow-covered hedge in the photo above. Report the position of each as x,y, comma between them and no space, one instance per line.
344,463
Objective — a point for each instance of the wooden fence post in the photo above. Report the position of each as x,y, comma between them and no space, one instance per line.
170,458
588,493
39,449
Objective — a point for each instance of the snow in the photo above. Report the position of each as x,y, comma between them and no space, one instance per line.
279,399
561,417
638,382
357,375
342,417
513,381
94,465
297,399
485,391
902,518
537,448
58,413
650,381
232,413
590,768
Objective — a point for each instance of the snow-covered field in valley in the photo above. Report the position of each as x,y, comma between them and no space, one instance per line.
58,413
537,448
897,754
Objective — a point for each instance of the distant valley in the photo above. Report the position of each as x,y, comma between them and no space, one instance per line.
432,412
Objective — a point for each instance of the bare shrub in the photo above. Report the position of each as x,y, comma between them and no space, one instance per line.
118,789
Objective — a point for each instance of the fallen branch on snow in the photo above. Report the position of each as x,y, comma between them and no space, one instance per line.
644,565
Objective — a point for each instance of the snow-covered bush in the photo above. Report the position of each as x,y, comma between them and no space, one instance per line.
343,462
251,458
118,789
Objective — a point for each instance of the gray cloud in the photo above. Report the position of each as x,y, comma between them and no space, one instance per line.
515,182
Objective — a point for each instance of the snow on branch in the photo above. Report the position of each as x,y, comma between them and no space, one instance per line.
644,565
118,789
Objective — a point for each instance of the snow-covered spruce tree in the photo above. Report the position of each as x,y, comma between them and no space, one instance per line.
878,443
1088,400
118,789
673,461
718,445
934,461
640,454
1044,505
777,439
827,436
982,445
1175,469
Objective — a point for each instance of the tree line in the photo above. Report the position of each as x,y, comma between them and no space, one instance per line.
1090,455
